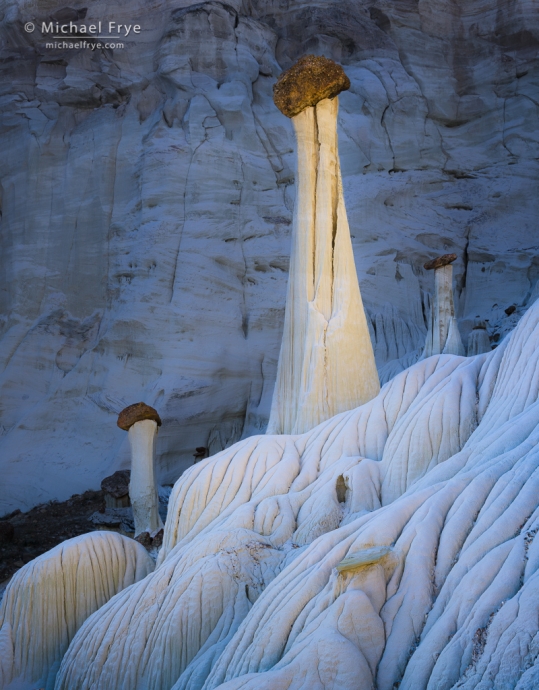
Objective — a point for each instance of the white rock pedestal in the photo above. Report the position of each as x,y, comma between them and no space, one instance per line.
443,336
326,363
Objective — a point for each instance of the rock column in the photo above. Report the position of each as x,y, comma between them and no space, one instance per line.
478,340
142,421
326,363
443,335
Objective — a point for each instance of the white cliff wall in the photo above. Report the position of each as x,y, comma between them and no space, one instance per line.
147,193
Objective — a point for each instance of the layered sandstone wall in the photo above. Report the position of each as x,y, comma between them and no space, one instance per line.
147,195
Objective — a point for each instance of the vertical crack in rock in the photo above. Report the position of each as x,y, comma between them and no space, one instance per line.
244,310
384,126
182,228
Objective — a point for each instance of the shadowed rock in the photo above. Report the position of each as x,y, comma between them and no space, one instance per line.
117,485
200,453
7,532
440,261
308,82
478,340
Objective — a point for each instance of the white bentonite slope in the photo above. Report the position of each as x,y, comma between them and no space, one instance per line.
390,544
49,598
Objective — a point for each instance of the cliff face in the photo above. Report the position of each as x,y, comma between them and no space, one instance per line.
147,195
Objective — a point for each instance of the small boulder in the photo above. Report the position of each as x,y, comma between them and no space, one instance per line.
117,485
157,541
149,542
440,261
121,518
144,539
116,489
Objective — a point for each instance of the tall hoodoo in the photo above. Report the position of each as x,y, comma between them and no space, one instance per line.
326,363
141,421
443,335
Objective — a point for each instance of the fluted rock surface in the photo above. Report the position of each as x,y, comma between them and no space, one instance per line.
394,544
48,600
146,199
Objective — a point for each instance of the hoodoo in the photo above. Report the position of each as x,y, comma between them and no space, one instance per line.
326,362
443,335
478,340
141,421
395,544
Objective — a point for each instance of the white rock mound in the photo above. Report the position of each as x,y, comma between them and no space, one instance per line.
390,544
48,599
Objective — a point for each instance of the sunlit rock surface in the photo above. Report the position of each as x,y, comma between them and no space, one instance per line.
326,363
147,194
394,544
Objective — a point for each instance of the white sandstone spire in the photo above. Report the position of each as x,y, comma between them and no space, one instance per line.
326,363
443,336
